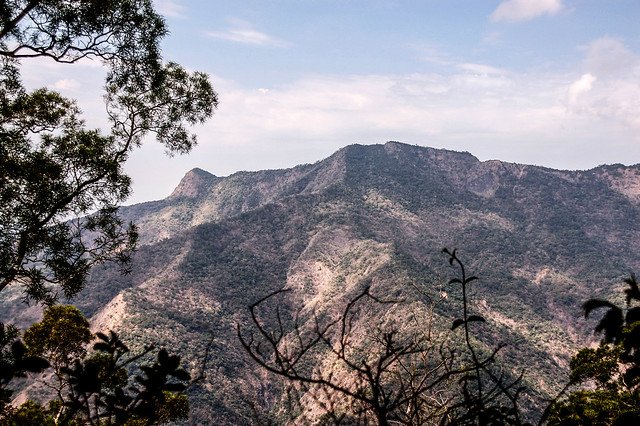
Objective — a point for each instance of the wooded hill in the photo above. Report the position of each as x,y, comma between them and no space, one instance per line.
542,241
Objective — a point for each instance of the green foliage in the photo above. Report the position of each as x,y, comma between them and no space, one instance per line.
175,407
599,365
52,168
97,386
595,407
61,336
154,396
70,172
607,378
28,414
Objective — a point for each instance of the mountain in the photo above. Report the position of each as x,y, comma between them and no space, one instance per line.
542,241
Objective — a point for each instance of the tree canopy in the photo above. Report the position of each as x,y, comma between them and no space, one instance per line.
60,186
99,384
60,182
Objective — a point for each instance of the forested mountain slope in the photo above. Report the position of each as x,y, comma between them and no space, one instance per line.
542,241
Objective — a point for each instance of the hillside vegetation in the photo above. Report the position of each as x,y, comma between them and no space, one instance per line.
542,241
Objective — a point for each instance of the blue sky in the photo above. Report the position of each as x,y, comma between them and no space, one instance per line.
547,82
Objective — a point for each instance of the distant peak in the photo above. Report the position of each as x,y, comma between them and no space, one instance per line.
194,183
199,172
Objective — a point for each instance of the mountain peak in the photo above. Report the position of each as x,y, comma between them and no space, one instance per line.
194,183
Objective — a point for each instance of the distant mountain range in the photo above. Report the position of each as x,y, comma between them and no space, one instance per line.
542,241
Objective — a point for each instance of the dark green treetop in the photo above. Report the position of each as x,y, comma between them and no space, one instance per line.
52,168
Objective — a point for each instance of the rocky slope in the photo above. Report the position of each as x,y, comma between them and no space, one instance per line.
541,240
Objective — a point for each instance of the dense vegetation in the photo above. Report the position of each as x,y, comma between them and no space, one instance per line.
362,333
52,168
327,230
91,386
60,187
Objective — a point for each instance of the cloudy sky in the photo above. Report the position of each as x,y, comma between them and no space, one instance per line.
546,82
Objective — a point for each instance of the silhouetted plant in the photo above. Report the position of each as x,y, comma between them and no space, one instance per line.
14,362
97,387
100,389
485,397
388,377
606,378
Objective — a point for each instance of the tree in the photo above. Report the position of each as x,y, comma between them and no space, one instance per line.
29,413
61,183
605,380
101,389
99,386
60,337
388,376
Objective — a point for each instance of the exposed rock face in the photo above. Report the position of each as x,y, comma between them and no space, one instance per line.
194,184
541,240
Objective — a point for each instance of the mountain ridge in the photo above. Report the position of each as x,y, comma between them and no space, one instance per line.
541,240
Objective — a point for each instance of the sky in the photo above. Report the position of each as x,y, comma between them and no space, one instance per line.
554,83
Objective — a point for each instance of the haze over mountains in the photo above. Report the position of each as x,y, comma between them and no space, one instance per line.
542,241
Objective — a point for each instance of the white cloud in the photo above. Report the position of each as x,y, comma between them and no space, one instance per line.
171,8
615,96
66,84
412,108
581,86
512,116
608,56
519,117
564,120
575,119
523,10
481,69
243,32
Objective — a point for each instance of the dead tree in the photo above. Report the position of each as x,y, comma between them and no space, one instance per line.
386,375
385,378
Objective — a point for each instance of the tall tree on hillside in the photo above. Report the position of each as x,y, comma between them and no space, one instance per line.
61,183
53,169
